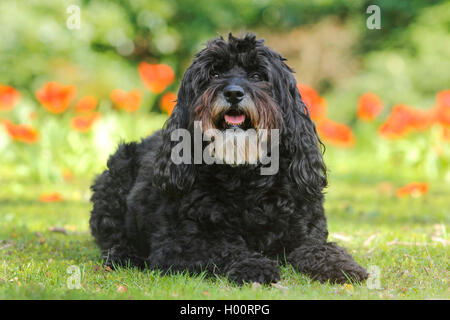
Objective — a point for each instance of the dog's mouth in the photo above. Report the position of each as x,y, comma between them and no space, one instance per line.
235,119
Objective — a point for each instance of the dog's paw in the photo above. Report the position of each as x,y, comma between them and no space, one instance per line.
327,262
262,270
341,268
346,273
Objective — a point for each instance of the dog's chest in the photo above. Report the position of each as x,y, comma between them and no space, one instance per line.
263,217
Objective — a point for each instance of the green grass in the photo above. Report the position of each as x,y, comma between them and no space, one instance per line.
405,238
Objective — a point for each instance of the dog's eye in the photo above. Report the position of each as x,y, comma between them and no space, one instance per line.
255,76
215,75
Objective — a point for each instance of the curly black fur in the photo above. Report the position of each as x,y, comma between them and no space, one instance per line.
230,220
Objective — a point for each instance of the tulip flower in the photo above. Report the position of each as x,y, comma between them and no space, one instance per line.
156,77
316,105
369,107
50,197
8,97
86,104
336,133
168,102
84,123
414,189
21,132
56,97
128,101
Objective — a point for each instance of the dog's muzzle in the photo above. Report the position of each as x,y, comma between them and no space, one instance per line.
234,109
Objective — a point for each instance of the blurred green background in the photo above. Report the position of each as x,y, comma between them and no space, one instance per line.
326,42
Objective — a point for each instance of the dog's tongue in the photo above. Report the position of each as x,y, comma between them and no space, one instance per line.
235,119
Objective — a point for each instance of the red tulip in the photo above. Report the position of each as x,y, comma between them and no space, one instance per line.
369,106
442,113
168,102
21,132
397,123
317,105
420,120
50,197
156,77
8,97
443,98
128,101
56,97
336,133
84,123
86,104
414,189
404,119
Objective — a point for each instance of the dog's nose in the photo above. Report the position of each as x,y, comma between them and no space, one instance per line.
233,93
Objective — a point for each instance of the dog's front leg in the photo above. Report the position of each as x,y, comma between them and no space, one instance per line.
325,262
221,257
253,268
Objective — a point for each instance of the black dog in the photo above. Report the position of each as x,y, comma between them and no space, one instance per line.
227,219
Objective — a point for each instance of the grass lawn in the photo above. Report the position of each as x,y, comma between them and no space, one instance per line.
404,239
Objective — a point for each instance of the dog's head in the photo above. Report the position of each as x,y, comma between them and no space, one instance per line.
242,84
232,81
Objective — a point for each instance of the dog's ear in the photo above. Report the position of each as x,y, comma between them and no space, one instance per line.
307,168
168,176
299,138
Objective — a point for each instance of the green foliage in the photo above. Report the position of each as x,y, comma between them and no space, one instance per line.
84,154
97,56
396,18
412,74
